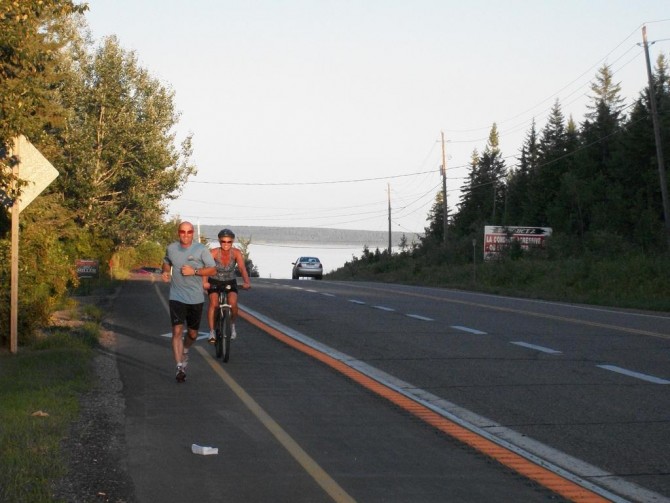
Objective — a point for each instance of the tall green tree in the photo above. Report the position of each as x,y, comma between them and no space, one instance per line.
31,37
565,211
643,221
601,162
518,183
435,229
544,177
482,202
120,163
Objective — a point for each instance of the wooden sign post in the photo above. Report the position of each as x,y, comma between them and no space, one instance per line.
32,167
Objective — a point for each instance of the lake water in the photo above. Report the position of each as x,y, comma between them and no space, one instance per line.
275,260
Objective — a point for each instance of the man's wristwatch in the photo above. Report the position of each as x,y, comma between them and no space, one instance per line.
195,272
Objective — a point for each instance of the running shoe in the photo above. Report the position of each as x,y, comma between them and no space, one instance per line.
181,375
233,334
212,337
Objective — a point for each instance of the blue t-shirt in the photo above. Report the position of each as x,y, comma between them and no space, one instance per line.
187,289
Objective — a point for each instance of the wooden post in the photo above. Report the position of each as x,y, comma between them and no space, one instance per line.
14,288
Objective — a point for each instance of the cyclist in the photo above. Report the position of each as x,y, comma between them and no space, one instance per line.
226,258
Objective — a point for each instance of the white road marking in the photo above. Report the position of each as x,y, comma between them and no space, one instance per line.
419,317
359,302
632,373
470,330
537,348
384,308
559,462
201,335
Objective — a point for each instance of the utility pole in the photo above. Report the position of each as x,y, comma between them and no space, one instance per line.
445,209
657,137
388,191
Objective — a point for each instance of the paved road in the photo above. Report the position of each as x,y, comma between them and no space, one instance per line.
583,388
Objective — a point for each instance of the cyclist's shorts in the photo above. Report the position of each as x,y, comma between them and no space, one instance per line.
216,285
181,313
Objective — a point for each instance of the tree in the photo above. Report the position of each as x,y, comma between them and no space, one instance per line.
643,221
518,184
606,95
31,36
483,198
435,229
601,166
544,177
119,160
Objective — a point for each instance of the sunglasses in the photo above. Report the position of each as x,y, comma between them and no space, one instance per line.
225,242
185,232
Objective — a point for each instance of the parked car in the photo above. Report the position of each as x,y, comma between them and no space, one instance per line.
145,272
152,270
307,267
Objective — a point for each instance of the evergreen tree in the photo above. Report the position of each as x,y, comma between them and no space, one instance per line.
601,165
643,222
482,202
544,178
565,213
435,229
518,184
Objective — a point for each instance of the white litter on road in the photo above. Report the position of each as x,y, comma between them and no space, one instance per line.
205,451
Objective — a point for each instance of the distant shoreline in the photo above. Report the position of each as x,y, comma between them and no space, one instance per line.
297,236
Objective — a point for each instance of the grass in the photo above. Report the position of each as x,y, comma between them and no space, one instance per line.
47,379
633,281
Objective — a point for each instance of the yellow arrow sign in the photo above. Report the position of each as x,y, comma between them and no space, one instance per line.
34,169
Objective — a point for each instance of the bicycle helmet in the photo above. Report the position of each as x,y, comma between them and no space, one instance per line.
226,233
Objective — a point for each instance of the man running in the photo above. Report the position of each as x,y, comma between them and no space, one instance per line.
184,262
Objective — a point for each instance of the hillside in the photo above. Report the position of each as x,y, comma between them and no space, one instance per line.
306,235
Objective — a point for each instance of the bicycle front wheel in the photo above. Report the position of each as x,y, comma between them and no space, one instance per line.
218,345
227,329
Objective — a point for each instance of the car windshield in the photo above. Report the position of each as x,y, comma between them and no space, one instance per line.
312,260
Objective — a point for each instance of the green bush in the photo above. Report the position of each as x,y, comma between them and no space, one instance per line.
620,277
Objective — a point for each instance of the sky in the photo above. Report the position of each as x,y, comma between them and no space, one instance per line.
326,113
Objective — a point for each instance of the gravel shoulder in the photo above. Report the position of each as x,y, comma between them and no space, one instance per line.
95,448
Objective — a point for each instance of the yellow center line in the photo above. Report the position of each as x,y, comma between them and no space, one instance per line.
319,475
543,476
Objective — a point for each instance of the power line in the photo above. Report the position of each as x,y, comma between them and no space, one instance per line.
328,182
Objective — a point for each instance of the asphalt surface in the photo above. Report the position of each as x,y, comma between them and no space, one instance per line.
289,428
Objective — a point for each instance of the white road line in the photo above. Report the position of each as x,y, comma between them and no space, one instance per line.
384,308
201,335
632,373
470,330
419,317
537,348
552,459
326,294
359,302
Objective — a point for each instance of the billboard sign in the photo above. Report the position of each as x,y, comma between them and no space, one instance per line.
87,268
499,238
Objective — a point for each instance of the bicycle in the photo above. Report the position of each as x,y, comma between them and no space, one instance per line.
224,325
